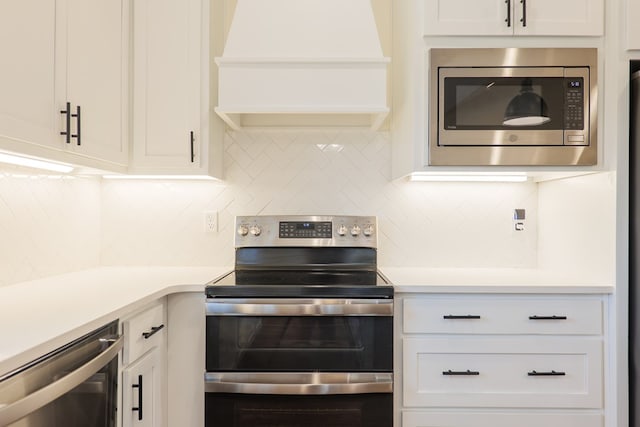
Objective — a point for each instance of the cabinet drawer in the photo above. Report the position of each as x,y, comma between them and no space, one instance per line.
458,371
143,332
499,419
503,315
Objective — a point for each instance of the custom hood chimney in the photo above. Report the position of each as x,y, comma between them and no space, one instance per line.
302,63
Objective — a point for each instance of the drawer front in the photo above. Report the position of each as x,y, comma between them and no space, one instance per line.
503,315
143,332
498,419
545,372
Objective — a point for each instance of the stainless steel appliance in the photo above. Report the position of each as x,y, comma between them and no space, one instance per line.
73,386
513,106
301,332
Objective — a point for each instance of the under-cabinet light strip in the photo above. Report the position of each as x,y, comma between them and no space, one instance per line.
35,163
467,177
180,177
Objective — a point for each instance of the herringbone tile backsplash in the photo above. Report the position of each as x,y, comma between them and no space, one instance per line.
51,225
313,172
48,224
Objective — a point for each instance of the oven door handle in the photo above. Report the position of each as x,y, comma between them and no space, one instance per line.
316,383
298,307
17,410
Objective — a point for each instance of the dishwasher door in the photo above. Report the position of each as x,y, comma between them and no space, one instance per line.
73,386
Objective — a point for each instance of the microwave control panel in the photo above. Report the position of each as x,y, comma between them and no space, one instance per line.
574,103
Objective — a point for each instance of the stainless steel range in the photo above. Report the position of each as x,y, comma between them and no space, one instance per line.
301,332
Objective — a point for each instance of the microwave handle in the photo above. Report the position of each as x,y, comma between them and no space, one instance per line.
17,410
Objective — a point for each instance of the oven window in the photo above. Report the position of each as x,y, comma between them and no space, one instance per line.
504,103
299,343
244,410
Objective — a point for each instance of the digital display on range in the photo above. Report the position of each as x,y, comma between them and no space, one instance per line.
305,230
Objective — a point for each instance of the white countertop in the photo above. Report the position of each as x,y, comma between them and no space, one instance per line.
492,280
41,315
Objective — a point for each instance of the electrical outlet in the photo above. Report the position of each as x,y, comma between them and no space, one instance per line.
210,222
519,216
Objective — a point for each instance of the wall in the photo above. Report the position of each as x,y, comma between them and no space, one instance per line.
51,225
48,224
322,172
577,227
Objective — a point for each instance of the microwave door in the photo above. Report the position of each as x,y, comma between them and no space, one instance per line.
501,107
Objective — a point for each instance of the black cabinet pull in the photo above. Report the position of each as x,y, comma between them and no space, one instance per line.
67,132
524,13
153,330
192,139
463,316
139,387
508,20
467,372
548,317
78,135
546,374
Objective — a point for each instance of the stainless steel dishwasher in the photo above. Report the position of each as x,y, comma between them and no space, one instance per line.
73,386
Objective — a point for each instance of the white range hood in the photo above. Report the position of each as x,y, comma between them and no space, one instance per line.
302,62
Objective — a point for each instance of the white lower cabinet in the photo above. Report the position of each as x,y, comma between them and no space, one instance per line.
499,419
141,385
537,372
502,360
144,368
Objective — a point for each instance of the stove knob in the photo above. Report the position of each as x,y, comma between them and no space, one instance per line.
342,230
355,231
255,230
243,230
368,230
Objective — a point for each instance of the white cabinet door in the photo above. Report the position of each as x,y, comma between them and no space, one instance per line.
70,51
96,77
141,391
559,18
29,99
167,89
514,17
633,29
468,17
515,372
500,419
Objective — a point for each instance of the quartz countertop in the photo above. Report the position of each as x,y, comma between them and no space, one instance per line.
41,315
492,280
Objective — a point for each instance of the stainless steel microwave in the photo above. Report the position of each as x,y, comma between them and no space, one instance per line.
513,106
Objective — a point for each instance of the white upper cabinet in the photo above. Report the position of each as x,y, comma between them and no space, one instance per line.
514,17
633,29
96,77
71,51
171,87
29,101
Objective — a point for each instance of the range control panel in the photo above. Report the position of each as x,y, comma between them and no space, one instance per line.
348,231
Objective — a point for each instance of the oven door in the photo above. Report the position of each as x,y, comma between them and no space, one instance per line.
299,362
301,410
299,335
